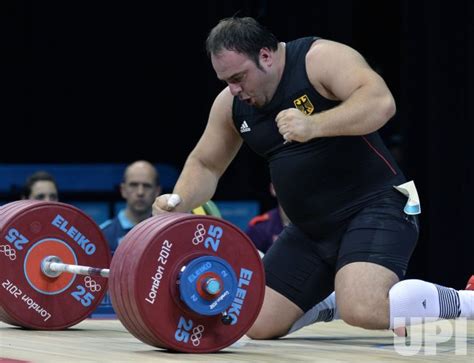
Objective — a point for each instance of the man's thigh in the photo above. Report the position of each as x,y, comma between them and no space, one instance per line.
300,268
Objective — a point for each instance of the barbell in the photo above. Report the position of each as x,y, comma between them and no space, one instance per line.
183,282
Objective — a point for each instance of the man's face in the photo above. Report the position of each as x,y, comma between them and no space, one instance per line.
139,190
245,79
44,190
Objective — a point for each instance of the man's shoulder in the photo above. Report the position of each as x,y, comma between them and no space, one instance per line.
301,44
307,39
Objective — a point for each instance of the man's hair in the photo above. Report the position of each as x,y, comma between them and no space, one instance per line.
241,35
36,177
144,162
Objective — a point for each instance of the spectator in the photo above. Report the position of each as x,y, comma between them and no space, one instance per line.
140,187
40,186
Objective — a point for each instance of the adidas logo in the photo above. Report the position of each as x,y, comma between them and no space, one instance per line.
244,127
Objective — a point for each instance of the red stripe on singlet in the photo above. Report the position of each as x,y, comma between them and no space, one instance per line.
380,155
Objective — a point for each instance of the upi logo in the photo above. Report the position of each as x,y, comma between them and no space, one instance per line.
433,337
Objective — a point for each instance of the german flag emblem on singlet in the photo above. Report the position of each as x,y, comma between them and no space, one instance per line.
304,105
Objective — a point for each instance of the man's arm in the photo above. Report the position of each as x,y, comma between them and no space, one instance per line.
339,72
215,150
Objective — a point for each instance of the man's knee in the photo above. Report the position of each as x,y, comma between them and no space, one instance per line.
355,315
275,318
365,312
260,330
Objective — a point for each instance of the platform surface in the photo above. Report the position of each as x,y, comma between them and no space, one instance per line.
108,341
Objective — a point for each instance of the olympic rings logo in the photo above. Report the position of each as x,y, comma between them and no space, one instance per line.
199,234
92,284
8,251
197,335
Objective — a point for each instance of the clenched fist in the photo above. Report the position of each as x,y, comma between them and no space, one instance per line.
166,203
295,125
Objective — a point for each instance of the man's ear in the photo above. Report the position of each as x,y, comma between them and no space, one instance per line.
122,190
266,57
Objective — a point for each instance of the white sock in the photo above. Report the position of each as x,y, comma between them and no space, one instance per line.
325,311
424,302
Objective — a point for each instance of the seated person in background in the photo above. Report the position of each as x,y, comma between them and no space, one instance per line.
264,229
140,187
40,186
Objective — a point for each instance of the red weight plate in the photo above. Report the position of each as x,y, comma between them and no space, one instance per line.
154,270
5,211
114,299
33,231
119,290
119,285
140,244
115,294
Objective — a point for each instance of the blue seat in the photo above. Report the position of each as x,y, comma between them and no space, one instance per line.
79,178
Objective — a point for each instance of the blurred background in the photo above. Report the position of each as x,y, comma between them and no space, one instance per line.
89,87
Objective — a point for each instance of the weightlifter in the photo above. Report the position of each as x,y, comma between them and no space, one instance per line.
312,108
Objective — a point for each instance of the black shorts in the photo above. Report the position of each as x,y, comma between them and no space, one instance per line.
303,269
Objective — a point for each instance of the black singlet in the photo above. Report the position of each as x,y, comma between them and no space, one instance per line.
323,182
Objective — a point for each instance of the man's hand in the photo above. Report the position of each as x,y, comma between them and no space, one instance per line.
295,126
166,203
